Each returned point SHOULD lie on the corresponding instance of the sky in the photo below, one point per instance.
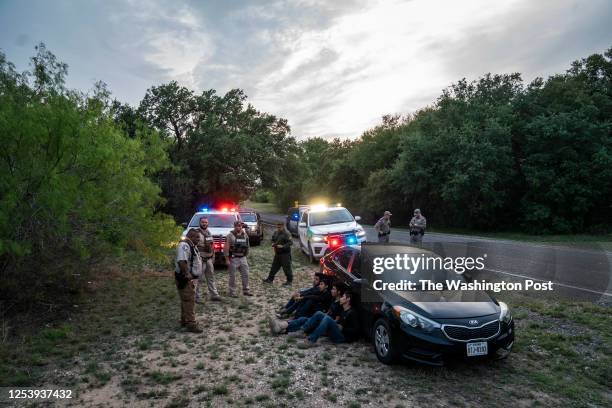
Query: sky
(333, 68)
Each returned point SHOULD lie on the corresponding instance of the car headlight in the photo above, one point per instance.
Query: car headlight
(318, 238)
(360, 233)
(183, 237)
(504, 315)
(415, 320)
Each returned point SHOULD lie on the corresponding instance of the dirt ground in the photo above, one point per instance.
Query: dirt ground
(125, 347)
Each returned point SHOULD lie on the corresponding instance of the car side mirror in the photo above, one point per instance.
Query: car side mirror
(302, 224)
(357, 218)
(184, 224)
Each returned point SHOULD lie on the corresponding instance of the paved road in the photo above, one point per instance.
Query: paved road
(577, 273)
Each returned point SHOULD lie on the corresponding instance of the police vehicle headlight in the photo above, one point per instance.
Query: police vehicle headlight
(415, 320)
(318, 238)
(183, 237)
(360, 232)
(504, 315)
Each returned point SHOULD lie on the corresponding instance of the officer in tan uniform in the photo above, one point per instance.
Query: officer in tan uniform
(236, 250)
(417, 226)
(383, 227)
(188, 268)
(208, 254)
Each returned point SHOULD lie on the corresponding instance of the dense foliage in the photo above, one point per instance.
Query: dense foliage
(73, 186)
(489, 154)
(222, 149)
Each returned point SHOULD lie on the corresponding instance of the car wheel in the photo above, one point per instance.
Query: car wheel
(311, 254)
(384, 346)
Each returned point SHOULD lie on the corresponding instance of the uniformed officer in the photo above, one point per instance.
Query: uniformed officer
(236, 250)
(417, 226)
(208, 254)
(383, 227)
(188, 268)
(281, 242)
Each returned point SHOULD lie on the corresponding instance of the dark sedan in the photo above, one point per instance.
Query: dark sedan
(423, 326)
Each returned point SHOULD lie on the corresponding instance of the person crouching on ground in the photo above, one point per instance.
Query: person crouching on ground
(321, 324)
(292, 304)
(188, 268)
(318, 301)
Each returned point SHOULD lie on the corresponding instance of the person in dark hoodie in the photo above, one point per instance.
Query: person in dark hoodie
(320, 324)
(336, 291)
(318, 301)
(292, 304)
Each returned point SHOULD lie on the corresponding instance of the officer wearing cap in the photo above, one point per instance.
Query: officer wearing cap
(236, 250)
(188, 268)
(207, 253)
(417, 226)
(281, 243)
(383, 227)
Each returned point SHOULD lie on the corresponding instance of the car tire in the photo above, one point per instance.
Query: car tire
(385, 346)
(311, 257)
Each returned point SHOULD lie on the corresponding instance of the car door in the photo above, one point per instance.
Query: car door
(302, 230)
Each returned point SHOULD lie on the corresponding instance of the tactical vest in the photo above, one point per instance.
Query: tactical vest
(239, 245)
(206, 246)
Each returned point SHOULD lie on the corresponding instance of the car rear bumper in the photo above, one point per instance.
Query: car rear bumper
(434, 349)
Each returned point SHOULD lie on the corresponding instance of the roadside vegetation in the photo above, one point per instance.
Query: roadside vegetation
(122, 345)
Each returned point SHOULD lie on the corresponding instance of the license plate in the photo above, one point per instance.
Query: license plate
(477, 349)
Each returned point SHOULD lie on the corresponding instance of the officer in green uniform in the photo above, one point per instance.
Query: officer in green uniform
(236, 250)
(281, 242)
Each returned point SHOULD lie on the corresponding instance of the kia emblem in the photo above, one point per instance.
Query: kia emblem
(473, 322)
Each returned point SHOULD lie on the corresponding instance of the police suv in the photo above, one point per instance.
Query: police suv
(220, 223)
(322, 229)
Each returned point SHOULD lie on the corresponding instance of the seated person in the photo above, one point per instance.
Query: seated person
(307, 305)
(290, 307)
(321, 324)
(337, 290)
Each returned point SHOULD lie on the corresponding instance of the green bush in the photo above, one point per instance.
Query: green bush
(73, 186)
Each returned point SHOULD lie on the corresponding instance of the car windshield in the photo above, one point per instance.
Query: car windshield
(330, 217)
(248, 217)
(215, 220)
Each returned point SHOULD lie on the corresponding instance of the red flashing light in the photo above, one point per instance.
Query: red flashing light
(224, 209)
(334, 242)
(233, 209)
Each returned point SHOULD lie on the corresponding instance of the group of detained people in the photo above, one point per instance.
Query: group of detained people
(325, 309)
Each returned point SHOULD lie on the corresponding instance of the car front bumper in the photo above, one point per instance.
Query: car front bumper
(434, 348)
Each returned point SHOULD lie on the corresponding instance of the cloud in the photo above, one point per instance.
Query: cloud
(332, 68)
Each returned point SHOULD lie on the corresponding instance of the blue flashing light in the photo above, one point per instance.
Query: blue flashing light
(204, 209)
(295, 216)
(351, 240)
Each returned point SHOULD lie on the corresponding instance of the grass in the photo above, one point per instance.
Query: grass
(126, 335)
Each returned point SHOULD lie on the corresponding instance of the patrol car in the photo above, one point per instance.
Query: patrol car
(220, 223)
(324, 228)
(254, 226)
